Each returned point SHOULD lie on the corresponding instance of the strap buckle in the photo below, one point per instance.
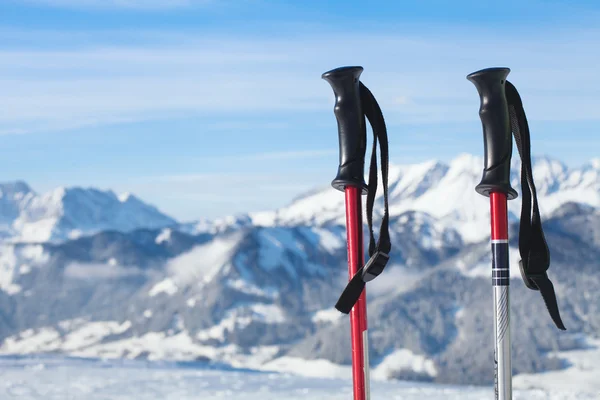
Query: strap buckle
(529, 278)
(374, 266)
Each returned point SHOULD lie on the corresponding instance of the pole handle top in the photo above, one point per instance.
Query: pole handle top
(497, 137)
(352, 131)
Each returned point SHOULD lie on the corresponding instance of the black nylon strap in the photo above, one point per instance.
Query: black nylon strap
(378, 252)
(535, 256)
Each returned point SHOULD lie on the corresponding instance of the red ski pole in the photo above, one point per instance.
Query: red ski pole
(350, 179)
(358, 314)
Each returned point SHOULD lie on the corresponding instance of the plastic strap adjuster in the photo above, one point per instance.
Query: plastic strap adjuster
(374, 266)
(529, 278)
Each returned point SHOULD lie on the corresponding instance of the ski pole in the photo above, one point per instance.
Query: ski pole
(495, 184)
(350, 179)
(502, 113)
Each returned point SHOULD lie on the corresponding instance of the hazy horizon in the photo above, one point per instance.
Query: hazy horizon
(210, 108)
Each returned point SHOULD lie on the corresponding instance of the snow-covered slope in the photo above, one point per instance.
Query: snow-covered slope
(33, 378)
(70, 212)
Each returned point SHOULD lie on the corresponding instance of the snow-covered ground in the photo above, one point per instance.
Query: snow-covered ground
(39, 373)
(583, 372)
(49, 378)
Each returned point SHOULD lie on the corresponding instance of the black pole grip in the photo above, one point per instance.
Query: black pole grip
(351, 127)
(496, 131)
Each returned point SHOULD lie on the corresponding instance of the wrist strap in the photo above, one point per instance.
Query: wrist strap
(378, 251)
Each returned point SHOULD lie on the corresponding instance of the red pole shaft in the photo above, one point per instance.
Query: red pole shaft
(358, 314)
(499, 216)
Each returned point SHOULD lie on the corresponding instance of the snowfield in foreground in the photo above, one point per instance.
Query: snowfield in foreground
(60, 378)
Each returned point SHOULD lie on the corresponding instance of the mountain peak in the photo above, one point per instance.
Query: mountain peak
(466, 159)
(59, 213)
(549, 162)
(58, 192)
(593, 164)
(466, 163)
(127, 196)
(15, 187)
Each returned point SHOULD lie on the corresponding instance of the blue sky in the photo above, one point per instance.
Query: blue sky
(207, 108)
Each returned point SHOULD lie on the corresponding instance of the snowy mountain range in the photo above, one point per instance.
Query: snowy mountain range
(67, 213)
(445, 192)
(257, 290)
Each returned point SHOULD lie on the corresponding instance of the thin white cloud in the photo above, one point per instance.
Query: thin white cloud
(269, 77)
(289, 155)
(398, 279)
(225, 178)
(219, 179)
(246, 125)
(68, 123)
(121, 4)
(242, 158)
(97, 271)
